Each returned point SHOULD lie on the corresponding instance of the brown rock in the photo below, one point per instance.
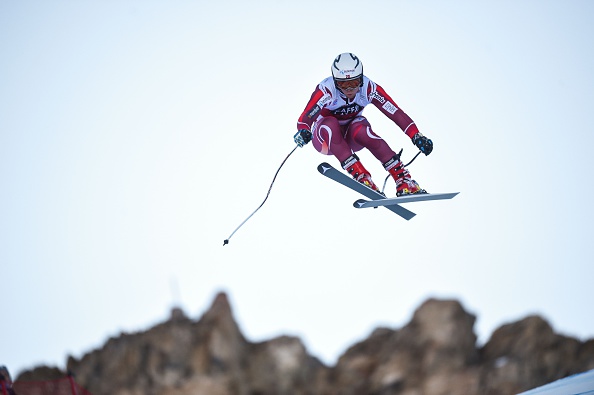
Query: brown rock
(434, 354)
(526, 354)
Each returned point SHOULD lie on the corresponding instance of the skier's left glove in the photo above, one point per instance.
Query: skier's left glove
(302, 137)
(424, 144)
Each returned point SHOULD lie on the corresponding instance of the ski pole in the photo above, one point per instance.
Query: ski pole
(226, 241)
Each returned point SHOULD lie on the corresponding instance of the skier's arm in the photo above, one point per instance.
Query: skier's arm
(389, 108)
(312, 109)
(319, 99)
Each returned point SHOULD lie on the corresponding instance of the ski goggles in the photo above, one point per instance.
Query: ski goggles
(348, 85)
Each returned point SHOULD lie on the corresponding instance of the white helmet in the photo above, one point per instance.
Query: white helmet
(346, 67)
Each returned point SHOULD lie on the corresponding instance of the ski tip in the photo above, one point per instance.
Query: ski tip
(225, 242)
(324, 167)
(359, 203)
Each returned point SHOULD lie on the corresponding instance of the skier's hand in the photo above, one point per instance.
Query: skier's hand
(302, 137)
(424, 144)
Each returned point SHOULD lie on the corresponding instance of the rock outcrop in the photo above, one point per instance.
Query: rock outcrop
(434, 354)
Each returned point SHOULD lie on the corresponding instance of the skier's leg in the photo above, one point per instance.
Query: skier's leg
(405, 185)
(355, 168)
(327, 138)
(360, 134)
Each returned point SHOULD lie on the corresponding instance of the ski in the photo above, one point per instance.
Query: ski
(338, 176)
(388, 202)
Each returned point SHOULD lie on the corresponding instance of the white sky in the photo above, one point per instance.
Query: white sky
(136, 135)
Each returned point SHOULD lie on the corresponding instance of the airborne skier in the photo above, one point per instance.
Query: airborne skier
(332, 120)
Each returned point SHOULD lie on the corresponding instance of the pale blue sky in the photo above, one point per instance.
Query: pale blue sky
(136, 135)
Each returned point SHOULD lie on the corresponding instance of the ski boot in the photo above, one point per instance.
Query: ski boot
(355, 168)
(405, 185)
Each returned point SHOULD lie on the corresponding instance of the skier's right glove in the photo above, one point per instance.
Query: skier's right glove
(424, 144)
(302, 137)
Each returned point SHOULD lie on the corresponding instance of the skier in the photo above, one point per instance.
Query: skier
(332, 120)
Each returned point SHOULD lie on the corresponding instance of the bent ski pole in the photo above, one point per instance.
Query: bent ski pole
(226, 241)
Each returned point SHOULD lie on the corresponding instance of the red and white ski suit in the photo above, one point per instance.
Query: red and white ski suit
(339, 129)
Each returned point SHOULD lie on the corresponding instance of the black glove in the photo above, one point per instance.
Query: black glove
(302, 137)
(424, 144)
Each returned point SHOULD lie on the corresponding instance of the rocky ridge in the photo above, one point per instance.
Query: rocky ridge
(434, 354)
